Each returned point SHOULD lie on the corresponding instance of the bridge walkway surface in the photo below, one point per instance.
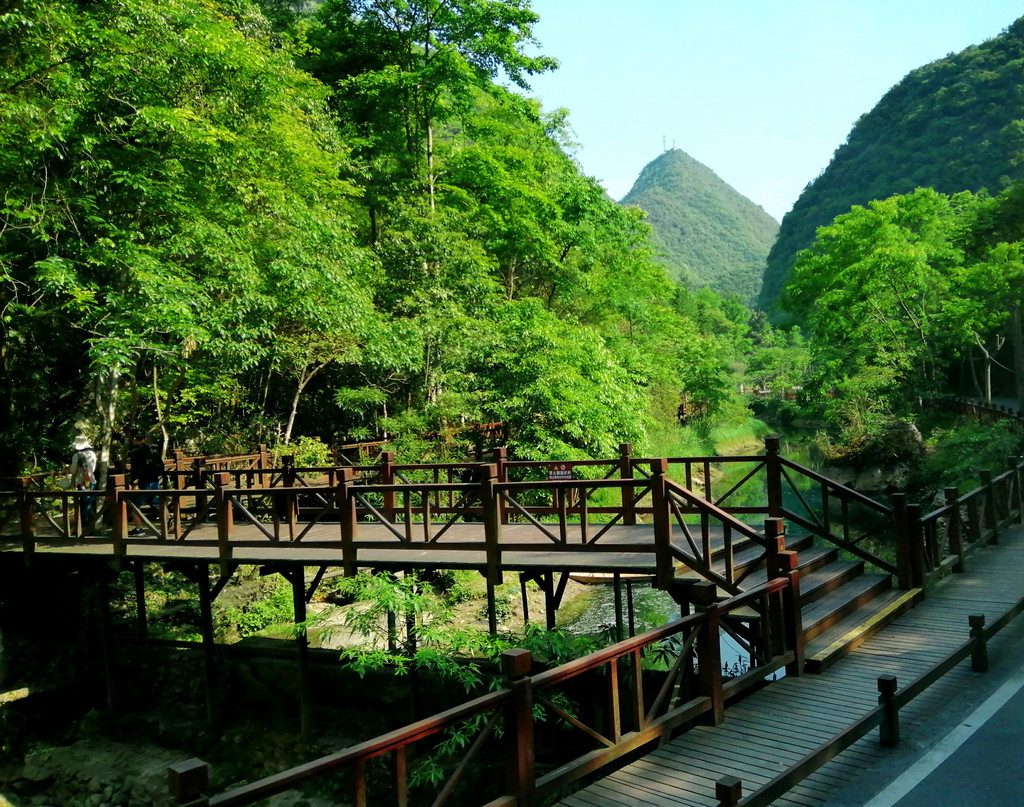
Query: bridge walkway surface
(770, 731)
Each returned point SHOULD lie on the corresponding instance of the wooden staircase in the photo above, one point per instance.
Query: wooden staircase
(842, 605)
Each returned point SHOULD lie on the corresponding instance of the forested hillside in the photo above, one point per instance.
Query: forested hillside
(705, 232)
(952, 125)
(224, 224)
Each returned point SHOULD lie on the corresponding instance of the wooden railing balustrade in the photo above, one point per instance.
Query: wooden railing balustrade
(637, 706)
(885, 716)
(941, 540)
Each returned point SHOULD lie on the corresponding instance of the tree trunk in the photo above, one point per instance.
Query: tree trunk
(106, 402)
(161, 421)
(974, 372)
(291, 415)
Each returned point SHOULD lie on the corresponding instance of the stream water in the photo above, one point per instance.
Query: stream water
(652, 607)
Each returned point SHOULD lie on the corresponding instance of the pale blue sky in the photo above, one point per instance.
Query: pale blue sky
(761, 92)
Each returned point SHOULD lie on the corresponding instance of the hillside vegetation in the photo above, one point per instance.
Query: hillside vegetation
(228, 223)
(952, 125)
(705, 232)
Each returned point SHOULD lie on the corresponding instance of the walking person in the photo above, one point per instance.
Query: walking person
(146, 466)
(83, 475)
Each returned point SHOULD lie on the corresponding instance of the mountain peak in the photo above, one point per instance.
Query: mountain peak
(705, 232)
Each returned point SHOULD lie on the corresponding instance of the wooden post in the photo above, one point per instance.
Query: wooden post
(792, 617)
(889, 728)
(199, 484)
(225, 521)
(263, 464)
(387, 477)
(991, 511)
(955, 536)
(728, 791)
(202, 580)
(775, 536)
(119, 530)
(979, 655)
(519, 768)
(298, 581)
(187, 781)
(709, 650)
(915, 533)
(617, 591)
(348, 518)
(291, 499)
(662, 523)
(626, 472)
(901, 533)
(492, 523)
(500, 460)
(773, 479)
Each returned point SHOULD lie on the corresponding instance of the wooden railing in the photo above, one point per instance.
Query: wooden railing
(941, 541)
(885, 717)
(430, 505)
(638, 705)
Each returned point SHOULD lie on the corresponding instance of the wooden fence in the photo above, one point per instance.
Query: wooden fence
(571, 507)
(637, 706)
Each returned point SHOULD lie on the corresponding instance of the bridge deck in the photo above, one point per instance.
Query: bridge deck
(322, 546)
(773, 729)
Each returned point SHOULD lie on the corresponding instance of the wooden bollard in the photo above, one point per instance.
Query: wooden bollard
(187, 780)
(889, 728)
(728, 791)
(979, 655)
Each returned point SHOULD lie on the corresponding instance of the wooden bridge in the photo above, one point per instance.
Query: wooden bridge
(797, 591)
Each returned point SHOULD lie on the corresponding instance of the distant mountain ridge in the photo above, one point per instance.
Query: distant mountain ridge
(707, 233)
(952, 125)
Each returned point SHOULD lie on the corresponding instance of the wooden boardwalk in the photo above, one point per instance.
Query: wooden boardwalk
(770, 731)
(629, 549)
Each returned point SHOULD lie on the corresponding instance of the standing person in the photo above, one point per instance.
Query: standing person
(83, 474)
(146, 467)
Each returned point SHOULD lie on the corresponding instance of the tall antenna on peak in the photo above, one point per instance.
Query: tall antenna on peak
(663, 147)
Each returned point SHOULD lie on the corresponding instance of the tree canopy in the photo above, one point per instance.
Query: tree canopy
(227, 223)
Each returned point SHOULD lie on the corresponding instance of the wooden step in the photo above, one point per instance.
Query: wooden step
(823, 613)
(831, 645)
(809, 560)
(814, 557)
(816, 584)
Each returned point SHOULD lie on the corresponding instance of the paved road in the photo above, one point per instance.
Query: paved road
(970, 754)
(981, 762)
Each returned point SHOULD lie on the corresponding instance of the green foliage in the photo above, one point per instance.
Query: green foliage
(309, 452)
(276, 609)
(705, 233)
(328, 221)
(456, 585)
(952, 125)
(956, 456)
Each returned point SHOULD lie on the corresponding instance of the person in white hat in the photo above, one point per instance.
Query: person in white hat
(83, 473)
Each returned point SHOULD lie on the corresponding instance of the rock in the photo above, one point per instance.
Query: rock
(844, 475)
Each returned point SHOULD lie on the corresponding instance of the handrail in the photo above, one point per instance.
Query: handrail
(884, 716)
(278, 783)
(517, 701)
(850, 493)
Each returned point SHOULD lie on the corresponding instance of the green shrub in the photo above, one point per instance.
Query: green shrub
(309, 452)
(956, 456)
